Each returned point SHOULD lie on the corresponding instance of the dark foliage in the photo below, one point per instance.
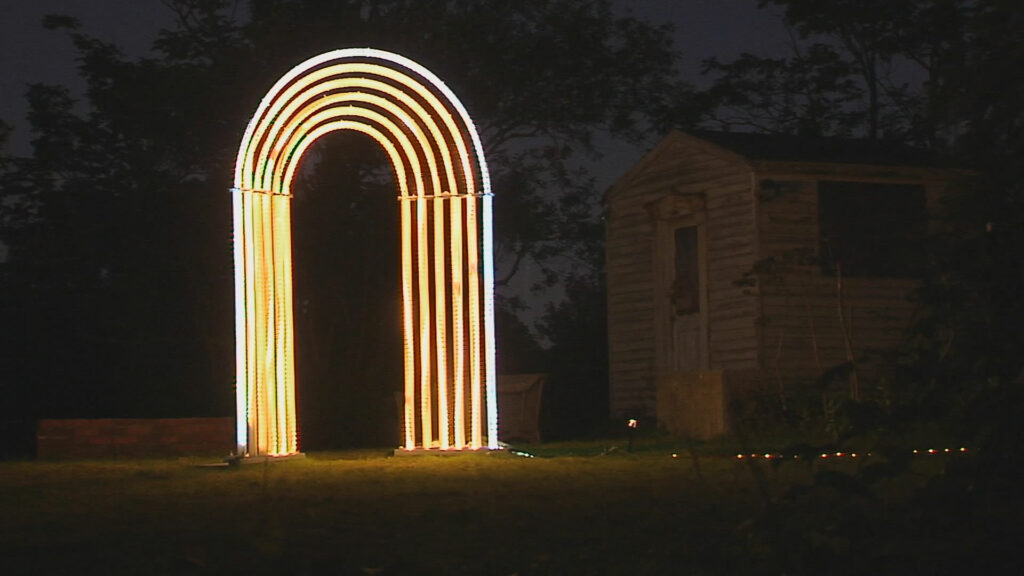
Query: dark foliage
(119, 276)
(959, 379)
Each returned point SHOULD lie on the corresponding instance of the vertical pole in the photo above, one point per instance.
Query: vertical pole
(268, 368)
(283, 325)
(258, 356)
(441, 320)
(473, 268)
(423, 281)
(408, 331)
(241, 381)
(458, 323)
(278, 247)
(251, 307)
(289, 332)
(489, 345)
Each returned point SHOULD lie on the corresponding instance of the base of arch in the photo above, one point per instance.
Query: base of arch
(235, 460)
(404, 452)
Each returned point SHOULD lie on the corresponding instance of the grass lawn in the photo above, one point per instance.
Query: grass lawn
(573, 509)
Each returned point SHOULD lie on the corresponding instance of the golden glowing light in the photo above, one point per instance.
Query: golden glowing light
(826, 455)
(446, 258)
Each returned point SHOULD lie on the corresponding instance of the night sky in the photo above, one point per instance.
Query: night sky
(29, 53)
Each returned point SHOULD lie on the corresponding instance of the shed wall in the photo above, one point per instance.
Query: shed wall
(812, 321)
(682, 168)
(774, 320)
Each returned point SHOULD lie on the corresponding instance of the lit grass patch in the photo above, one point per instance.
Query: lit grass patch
(575, 508)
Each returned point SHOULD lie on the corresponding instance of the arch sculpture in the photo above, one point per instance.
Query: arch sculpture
(447, 266)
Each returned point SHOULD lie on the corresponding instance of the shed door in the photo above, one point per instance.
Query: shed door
(687, 350)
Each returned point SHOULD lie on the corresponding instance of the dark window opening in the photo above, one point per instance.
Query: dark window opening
(869, 229)
(686, 278)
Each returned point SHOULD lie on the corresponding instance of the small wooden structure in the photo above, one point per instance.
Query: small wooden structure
(114, 438)
(519, 398)
(741, 263)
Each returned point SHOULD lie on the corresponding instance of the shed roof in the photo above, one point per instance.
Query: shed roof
(787, 148)
(749, 149)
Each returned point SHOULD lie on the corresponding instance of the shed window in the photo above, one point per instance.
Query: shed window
(869, 229)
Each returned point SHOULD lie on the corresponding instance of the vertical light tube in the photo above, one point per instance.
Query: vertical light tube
(458, 324)
(269, 344)
(408, 331)
(441, 320)
(423, 283)
(238, 254)
(291, 428)
(259, 355)
(489, 350)
(473, 287)
(277, 321)
(280, 237)
(252, 417)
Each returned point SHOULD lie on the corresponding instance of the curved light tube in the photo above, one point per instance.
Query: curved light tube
(446, 260)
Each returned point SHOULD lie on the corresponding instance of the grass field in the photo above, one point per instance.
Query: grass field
(589, 508)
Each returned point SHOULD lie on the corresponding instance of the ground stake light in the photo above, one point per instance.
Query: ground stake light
(447, 265)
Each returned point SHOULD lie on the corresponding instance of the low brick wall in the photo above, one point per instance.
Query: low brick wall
(113, 438)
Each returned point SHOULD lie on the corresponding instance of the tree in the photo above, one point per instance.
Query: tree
(858, 68)
(962, 373)
(962, 102)
(576, 391)
(813, 93)
(536, 112)
(978, 267)
(131, 249)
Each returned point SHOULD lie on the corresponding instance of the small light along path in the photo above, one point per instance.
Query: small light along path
(835, 455)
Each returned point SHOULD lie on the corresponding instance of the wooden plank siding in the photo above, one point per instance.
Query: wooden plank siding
(802, 334)
(679, 167)
(772, 316)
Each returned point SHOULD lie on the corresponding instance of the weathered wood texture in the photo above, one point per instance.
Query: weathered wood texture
(681, 167)
(804, 312)
(519, 399)
(772, 316)
(113, 438)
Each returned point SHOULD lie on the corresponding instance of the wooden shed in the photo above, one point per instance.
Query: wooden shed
(744, 264)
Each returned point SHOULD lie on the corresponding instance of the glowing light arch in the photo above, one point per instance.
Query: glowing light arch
(447, 247)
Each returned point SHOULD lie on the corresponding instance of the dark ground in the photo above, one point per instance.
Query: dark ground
(587, 508)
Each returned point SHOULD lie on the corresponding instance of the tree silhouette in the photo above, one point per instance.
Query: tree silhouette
(125, 271)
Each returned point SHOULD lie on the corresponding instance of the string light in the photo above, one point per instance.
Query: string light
(827, 455)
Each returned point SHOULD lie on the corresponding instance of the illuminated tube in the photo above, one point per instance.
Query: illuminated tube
(446, 259)
(426, 398)
(490, 380)
(457, 389)
(249, 387)
(473, 286)
(440, 323)
(241, 432)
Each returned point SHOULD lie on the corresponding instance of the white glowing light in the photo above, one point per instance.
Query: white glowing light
(446, 258)
(241, 424)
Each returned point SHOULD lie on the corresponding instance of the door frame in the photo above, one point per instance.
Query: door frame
(669, 213)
